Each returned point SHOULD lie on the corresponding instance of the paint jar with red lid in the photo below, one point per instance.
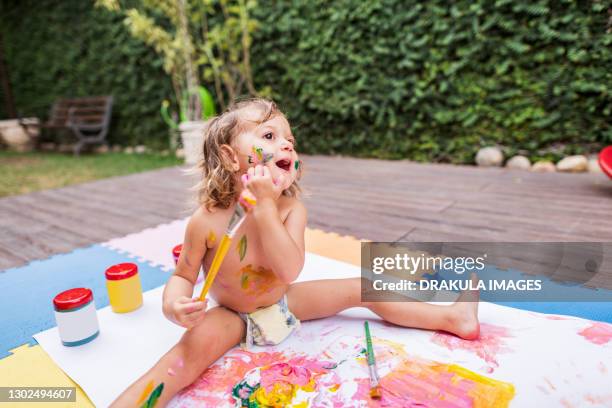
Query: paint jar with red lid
(75, 314)
(124, 288)
(176, 252)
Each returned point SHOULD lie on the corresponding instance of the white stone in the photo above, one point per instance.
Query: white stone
(489, 156)
(17, 137)
(518, 162)
(593, 165)
(180, 153)
(116, 148)
(128, 150)
(543, 166)
(140, 149)
(573, 164)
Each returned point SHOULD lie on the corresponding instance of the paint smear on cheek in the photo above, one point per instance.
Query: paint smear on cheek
(487, 346)
(597, 333)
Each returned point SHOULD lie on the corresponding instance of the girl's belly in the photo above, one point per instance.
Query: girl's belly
(248, 289)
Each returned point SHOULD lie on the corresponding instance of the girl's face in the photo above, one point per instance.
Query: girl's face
(271, 144)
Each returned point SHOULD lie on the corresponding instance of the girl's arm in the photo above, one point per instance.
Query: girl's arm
(178, 305)
(283, 244)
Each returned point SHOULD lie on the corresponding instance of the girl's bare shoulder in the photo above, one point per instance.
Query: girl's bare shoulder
(203, 219)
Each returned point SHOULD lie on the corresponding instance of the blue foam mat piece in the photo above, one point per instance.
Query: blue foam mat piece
(26, 303)
(601, 311)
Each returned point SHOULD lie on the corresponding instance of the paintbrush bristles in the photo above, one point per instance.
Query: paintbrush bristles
(376, 392)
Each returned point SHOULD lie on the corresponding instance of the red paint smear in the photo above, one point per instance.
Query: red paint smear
(597, 333)
(490, 342)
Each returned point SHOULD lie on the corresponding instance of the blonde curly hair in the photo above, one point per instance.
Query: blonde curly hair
(217, 186)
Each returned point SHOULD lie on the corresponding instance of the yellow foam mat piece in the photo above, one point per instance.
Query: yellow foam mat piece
(331, 245)
(30, 366)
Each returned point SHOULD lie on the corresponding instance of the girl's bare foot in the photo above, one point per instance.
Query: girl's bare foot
(465, 313)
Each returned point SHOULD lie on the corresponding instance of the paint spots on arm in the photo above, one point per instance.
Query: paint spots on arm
(211, 239)
(153, 396)
(242, 247)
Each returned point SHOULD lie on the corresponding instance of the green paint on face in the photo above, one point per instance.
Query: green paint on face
(297, 164)
(242, 247)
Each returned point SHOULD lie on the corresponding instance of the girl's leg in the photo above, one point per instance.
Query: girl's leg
(199, 347)
(335, 295)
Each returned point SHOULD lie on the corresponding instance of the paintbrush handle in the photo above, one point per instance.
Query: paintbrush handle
(369, 348)
(216, 264)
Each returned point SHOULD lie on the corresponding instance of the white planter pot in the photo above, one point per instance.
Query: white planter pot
(192, 136)
(16, 136)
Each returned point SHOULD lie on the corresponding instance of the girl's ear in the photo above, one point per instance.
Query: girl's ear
(230, 157)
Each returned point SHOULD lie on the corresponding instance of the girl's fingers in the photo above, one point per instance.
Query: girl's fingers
(250, 172)
(266, 171)
(194, 307)
(245, 179)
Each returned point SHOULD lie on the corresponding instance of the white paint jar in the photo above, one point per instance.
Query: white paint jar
(75, 314)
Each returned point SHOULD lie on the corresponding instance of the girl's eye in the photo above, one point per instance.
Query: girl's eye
(268, 136)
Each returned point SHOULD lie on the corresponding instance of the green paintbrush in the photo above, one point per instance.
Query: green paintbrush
(375, 390)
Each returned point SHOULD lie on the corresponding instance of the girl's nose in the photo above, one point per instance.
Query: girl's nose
(286, 145)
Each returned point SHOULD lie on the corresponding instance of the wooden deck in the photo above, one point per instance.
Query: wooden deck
(371, 199)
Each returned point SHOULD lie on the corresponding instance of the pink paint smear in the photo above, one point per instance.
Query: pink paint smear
(597, 333)
(412, 382)
(490, 342)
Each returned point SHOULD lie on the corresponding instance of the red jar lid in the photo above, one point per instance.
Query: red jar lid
(121, 271)
(72, 298)
(177, 250)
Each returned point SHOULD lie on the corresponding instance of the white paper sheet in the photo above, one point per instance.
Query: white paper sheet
(546, 359)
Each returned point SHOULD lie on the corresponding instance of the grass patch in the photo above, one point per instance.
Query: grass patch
(26, 172)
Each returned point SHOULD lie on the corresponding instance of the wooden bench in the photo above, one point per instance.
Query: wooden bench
(88, 118)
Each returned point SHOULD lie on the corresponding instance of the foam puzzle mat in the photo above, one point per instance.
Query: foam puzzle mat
(523, 358)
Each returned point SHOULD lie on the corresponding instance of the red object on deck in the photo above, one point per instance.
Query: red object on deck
(605, 160)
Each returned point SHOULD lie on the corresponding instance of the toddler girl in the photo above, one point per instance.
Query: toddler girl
(251, 146)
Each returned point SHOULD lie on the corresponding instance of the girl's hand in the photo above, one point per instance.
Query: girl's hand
(259, 182)
(188, 312)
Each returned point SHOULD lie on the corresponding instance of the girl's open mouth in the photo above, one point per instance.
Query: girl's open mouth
(284, 164)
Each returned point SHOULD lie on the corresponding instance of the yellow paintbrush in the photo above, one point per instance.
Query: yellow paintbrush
(246, 202)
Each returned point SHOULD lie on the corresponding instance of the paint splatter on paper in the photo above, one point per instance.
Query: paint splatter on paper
(597, 333)
(340, 379)
(242, 247)
(487, 346)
